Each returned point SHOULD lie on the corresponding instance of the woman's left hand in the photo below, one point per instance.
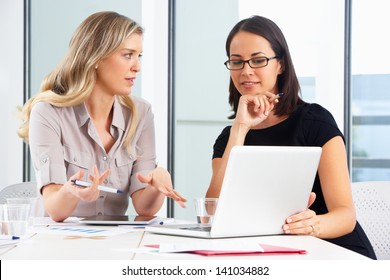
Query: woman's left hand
(303, 223)
(160, 179)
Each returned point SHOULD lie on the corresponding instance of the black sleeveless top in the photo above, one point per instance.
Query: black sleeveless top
(308, 125)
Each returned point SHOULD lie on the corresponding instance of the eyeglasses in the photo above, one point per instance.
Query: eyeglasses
(256, 62)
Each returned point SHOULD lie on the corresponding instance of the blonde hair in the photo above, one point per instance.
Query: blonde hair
(72, 81)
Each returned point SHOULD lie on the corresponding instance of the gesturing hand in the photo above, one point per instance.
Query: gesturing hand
(92, 192)
(160, 179)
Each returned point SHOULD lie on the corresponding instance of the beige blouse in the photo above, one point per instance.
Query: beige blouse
(64, 140)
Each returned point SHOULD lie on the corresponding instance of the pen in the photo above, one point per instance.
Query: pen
(280, 94)
(102, 188)
(168, 221)
(9, 237)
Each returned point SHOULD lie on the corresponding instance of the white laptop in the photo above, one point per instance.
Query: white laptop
(263, 185)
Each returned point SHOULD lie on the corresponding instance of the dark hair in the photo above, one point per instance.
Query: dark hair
(287, 81)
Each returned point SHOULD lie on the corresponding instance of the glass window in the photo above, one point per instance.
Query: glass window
(370, 91)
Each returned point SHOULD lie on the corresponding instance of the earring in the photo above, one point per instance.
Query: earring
(96, 67)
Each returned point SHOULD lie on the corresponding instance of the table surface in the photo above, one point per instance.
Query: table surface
(41, 245)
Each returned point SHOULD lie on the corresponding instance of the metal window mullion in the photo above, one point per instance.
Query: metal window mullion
(171, 99)
(347, 81)
(26, 83)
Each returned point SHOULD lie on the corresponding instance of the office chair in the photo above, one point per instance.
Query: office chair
(372, 203)
(25, 189)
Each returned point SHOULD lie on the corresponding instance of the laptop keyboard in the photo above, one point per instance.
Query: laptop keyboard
(197, 228)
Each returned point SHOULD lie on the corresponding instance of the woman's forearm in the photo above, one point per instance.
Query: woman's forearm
(59, 203)
(148, 201)
(336, 223)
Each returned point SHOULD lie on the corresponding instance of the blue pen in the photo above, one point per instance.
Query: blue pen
(168, 221)
(280, 94)
(102, 188)
(9, 237)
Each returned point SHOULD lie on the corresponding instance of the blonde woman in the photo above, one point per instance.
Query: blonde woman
(84, 125)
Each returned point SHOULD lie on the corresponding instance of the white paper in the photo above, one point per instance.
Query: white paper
(82, 231)
(143, 250)
(47, 221)
(7, 243)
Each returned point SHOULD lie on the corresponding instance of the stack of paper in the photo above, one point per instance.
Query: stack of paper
(225, 248)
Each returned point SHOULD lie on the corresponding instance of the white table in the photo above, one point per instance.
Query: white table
(317, 249)
(43, 255)
(43, 246)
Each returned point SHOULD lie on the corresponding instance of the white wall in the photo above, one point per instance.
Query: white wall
(155, 69)
(11, 90)
(155, 73)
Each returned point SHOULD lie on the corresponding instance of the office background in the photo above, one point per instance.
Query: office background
(339, 49)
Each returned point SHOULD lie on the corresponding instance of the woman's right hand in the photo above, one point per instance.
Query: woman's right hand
(90, 193)
(253, 109)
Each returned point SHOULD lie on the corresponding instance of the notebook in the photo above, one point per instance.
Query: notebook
(262, 186)
(118, 220)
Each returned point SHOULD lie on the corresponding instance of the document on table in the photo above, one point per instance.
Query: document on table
(208, 245)
(47, 221)
(212, 245)
(7, 243)
(83, 231)
(232, 248)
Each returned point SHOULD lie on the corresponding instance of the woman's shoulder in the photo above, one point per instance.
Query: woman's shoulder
(141, 103)
(143, 106)
(43, 108)
(316, 112)
(318, 124)
(49, 110)
(221, 142)
(223, 136)
(225, 132)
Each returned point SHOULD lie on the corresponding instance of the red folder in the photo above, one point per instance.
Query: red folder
(268, 249)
